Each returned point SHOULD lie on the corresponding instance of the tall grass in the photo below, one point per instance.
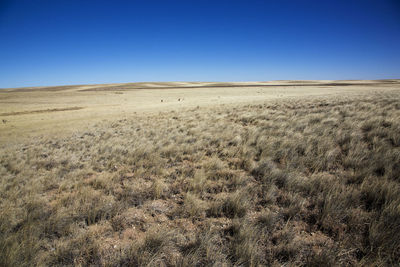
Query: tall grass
(291, 182)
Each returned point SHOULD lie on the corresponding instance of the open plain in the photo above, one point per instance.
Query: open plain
(193, 174)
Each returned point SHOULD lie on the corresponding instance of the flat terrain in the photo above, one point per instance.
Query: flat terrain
(30, 112)
(284, 173)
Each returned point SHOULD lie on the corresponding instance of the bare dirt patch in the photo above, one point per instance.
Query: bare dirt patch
(39, 111)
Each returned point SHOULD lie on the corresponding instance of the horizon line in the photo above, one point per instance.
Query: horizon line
(138, 82)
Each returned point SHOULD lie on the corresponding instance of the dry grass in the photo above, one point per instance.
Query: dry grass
(291, 182)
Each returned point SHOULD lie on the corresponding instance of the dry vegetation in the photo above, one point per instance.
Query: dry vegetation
(300, 182)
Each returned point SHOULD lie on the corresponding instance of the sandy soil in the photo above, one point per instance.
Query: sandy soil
(40, 111)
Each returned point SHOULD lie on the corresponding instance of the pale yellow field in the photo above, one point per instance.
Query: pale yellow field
(285, 173)
(32, 112)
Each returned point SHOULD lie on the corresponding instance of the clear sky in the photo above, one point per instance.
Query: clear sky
(59, 42)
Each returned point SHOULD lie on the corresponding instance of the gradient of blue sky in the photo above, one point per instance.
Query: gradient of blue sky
(79, 42)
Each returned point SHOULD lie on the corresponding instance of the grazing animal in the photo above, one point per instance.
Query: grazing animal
(162, 100)
(4, 121)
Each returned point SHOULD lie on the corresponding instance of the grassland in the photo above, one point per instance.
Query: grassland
(272, 174)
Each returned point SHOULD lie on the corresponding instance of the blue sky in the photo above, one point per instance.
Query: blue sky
(80, 42)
